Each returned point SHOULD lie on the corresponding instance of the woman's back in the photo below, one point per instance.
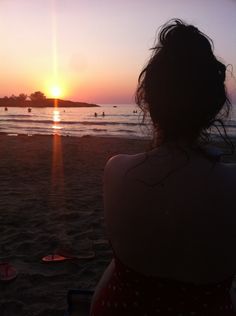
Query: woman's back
(172, 214)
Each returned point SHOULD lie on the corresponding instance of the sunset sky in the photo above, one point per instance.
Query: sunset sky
(94, 49)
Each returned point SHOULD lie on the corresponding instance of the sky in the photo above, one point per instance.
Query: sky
(94, 50)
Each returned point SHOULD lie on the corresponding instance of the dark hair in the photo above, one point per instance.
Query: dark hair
(182, 85)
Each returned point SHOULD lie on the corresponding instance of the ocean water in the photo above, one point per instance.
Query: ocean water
(120, 120)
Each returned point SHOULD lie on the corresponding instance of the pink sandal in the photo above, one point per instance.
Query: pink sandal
(55, 258)
(60, 256)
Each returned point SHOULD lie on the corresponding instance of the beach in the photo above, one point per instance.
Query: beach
(51, 196)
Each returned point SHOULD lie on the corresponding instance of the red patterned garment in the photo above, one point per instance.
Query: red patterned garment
(131, 293)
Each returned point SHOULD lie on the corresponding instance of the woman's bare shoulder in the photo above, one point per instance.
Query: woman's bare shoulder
(115, 184)
(120, 163)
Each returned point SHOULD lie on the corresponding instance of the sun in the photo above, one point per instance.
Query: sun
(55, 87)
(55, 92)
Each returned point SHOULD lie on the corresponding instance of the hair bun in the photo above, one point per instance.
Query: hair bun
(182, 85)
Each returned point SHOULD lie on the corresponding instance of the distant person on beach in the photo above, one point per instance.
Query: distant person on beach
(170, 212)
(103, 114)
(95, 114)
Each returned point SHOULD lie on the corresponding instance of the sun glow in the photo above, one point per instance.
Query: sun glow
(55, 92)
(55, 88)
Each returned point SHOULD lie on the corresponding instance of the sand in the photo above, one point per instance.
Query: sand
(51, 196)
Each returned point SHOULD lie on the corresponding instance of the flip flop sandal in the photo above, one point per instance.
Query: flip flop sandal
(59, 257)
(7, 272)
(56, 258)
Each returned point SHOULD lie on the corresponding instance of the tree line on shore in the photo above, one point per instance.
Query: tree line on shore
(35, 96)
(38, 99)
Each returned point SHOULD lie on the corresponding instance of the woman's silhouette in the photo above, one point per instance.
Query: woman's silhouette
(170, 212)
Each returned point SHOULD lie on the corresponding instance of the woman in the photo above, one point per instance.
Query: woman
(170, 212)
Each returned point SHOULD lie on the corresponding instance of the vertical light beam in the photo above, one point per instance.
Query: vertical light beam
(57, 178)
(54, 42)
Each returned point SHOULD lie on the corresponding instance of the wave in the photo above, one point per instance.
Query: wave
(20, 119)
(99, 130)
(125, 131)
(71, 122)
(18, 115)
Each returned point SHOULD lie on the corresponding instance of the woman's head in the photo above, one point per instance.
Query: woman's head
(182, 86)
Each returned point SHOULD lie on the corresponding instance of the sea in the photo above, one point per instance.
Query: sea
(110, 120)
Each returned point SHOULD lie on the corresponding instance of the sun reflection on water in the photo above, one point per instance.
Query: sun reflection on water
(56, 116)
(56, 119)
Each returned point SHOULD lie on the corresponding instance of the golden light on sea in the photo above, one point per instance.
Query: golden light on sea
(56, 119)
(56, 116)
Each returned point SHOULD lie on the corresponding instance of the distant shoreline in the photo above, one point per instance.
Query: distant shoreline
(44, 103)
